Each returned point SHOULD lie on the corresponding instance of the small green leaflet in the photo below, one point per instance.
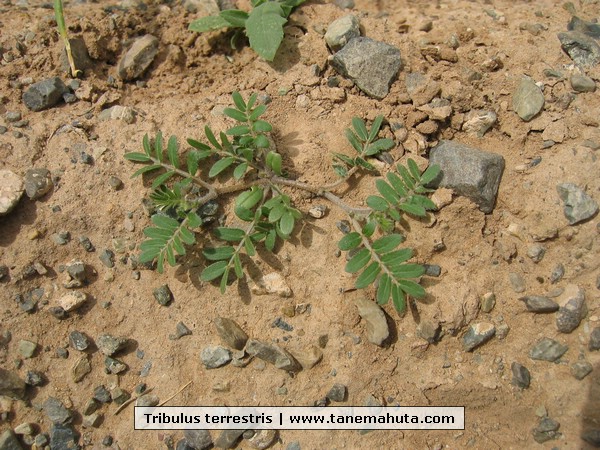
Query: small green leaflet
(209, 23)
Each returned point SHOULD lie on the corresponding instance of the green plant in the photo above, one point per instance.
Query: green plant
(244, 155)
(263, 25)
(62, 30)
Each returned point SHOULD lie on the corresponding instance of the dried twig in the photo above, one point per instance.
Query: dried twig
(175, 394)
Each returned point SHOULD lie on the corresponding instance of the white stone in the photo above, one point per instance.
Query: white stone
(11, 190)
(72, 300)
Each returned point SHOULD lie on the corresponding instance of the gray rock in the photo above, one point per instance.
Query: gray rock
(231, 333)
(429, 330)
(521, 376)
(273, 355)
(372, 65)
(547, 350)
(198, 439)
(27, 349)
(536, 252)
(581, 83)
(343, 4)
(295, 445)
(3, 271)
(488, 301)
(589, 28)
(572, 309)
(114, 366)
(263, 439)
(579, 206)
(41, 440)
(377, 327)
(528, 99)
(582, 49)
(11, 385)
(477, 335)
(12, 116)
(107, 257)
(80, 54)
(63, 437)
(102, 394)
(9, 441)
(546, 430)
(420, 88)
(228, 438)
(119, 396)
(90, 407)
(33, 378)
(539, 304)
(76, 270)
(594, 343)
(147, 400)
(280, 323)
(581, 369)
(81, 368)
(92, 421)
(337, 393)
(138, 58)
(56, 411)
(308, 358)
(118, 112)
(204, 7)
(78, 341)
(592, 437)
(44, 94)
(11, 191)
(37, 183)
(163, 295)
(432, 270)
(341, 31)
(215, 356)
(557, 273)
(109, 345)
(470, 172)
(180, 330)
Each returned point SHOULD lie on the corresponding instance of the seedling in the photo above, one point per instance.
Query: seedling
(263, 25)
(62, 30)
(256, 174)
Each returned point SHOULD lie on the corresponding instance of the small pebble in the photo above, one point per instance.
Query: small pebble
(108, 258)
(86, 244)
(581, 369)
(163, 295)
(517, 282)
(557, 273)
(115, 183)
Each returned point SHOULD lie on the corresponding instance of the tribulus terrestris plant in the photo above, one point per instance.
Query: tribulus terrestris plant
(263, 25)
(184, 189)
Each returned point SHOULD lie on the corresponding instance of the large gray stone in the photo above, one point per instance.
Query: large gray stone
(215, 356)
(582, 49)
(44, 94)
(198, 439)
(11, 385)
(273, 354)
(468, 171)
(377, 327)
(11, 191)
(477, 335)
(579, 206)
(138, 58)
(547, 350)
(372, 65)
(341, 31)
(528, 99)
